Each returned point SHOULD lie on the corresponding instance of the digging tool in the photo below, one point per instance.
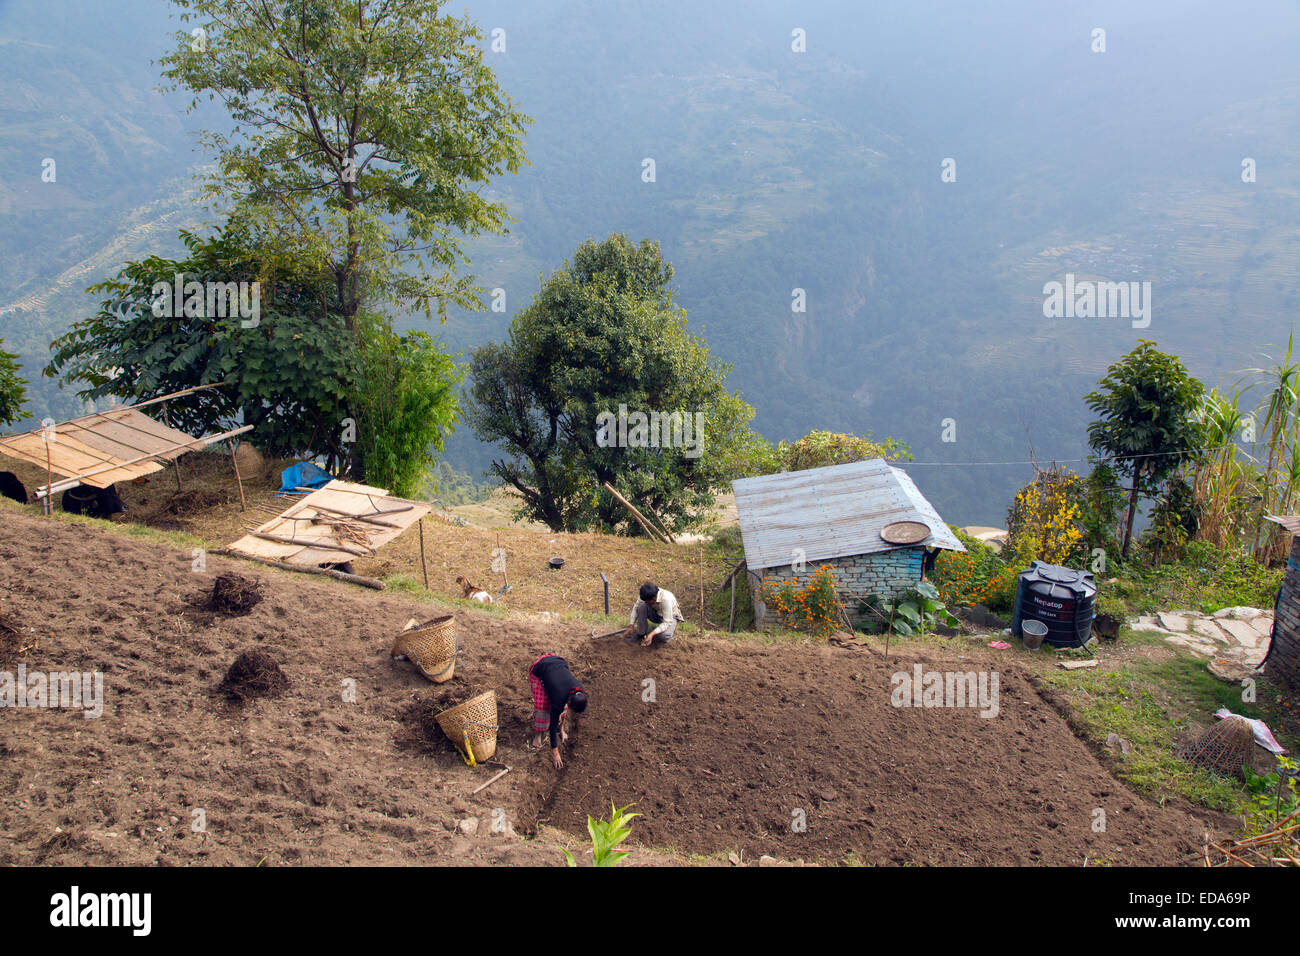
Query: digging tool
(620, 631)
(494, 778)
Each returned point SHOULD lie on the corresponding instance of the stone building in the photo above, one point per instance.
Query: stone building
(866, 520)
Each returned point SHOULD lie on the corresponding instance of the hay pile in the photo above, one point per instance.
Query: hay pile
(253, 674)
(193, 501)
(235, 595)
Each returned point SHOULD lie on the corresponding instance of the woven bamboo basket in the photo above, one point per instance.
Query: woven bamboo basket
(477, 717)
(431, 647)
(1223, 748)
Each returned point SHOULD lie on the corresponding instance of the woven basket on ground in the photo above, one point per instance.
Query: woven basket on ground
(1223, 748)
(431, 647)
(477, 717)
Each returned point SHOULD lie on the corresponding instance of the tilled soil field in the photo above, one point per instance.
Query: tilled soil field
(798, 752)
(731, 746)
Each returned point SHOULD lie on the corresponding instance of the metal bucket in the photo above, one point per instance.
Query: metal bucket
(1032, 634)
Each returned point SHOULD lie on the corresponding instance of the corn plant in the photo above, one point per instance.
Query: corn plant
(606, 835)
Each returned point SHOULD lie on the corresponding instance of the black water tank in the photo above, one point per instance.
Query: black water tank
(1062, 598)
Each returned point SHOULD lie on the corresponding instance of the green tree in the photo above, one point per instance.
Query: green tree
(406, 406)
(292, 375)
(603, 338)
(820, 448)
(1148, 422)
(364, 133)
(12, 392)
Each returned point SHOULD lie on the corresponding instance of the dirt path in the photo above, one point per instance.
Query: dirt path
(739, 736)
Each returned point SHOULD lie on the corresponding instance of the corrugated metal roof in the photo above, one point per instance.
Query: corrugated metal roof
(831, 512)
(1290, 522)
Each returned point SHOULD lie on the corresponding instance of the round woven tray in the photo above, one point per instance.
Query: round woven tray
(905, 532)
(431, 647)
(478, 716)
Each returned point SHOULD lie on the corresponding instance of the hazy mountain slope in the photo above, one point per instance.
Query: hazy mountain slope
(777, 170)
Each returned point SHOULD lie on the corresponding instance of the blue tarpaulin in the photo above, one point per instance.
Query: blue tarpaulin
(303, 475)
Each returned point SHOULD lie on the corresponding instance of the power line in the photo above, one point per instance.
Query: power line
(1063, 461)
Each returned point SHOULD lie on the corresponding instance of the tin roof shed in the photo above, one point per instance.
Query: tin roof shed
(831, 512)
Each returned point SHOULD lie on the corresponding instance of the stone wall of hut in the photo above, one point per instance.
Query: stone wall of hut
(1283, 665)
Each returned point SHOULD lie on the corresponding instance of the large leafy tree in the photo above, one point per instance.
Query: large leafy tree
(364, 134)
(603, 335)
(291, 376)
(1148, 423)
(12, 392)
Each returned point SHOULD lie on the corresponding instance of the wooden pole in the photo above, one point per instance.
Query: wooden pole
(640, 518)
(660, 527)
(423, 564)
(281, 539)
(176, 462)
(731, 620)
(505, 575)
(371, 583)
(701, 586)
(49, 479)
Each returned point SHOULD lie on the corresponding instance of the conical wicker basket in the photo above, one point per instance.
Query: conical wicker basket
(431, 647)
(477, 718)
(1223, 748)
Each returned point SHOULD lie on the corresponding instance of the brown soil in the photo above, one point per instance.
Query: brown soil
(254, 674)
(741, 735)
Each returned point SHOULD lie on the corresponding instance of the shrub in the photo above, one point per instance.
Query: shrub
(406, 405)
(966, 579)
(812, 606)
(1043, 523)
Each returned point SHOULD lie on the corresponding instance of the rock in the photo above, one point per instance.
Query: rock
(1234, 672)
(1205, 627)
(1263, 625)
(1238, 613)
(1240, 631)
(1146, 622)
(768, 861)
(1172, 622)
(468, 826)
(733, 858)
(1197, 645)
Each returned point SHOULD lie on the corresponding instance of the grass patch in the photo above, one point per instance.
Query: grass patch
(1154, 705)
(1205, 579)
